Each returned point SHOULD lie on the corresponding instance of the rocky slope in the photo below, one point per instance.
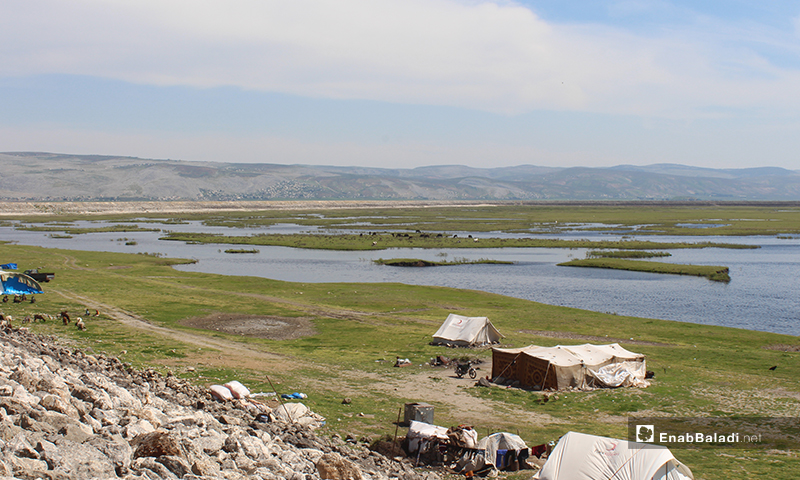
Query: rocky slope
(37, 176)
(68, 415)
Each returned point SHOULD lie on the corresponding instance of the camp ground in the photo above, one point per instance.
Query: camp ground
(461, 331)
(569, 367)
(575, 456)
(579, 456)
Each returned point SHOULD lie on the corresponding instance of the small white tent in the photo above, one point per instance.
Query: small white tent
(501, 441)
(463, 331)
(579, 456)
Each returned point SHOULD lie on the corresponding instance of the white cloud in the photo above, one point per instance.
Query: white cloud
(486, 55)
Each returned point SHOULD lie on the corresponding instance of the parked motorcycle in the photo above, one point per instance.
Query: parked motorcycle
(465, 369)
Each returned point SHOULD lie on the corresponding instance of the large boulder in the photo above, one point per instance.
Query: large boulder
(333, 466)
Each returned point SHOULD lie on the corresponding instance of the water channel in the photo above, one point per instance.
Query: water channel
(763, 294)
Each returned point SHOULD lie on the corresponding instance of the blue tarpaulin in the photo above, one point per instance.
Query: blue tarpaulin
(14, 283)
(9, 266)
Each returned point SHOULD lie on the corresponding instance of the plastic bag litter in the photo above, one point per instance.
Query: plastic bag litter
(294, 396)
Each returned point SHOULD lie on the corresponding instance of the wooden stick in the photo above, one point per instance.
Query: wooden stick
(279, 399)
(396, 426)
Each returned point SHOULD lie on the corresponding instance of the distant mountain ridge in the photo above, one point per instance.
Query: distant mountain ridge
(37, 176)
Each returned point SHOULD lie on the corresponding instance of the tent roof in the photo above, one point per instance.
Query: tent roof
(572, 355)
(14, 283)
(579, 456)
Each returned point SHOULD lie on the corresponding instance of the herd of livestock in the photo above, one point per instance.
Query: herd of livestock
(64, 316)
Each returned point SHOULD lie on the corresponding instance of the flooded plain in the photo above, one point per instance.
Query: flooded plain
(763, 294)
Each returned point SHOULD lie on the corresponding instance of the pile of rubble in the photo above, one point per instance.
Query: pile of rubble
(68, 415)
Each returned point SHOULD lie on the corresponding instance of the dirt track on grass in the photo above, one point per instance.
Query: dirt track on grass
(435, 385)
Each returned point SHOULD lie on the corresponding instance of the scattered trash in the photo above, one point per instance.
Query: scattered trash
(402, 362)
(294, 396)
(440, 360)
(263, 394)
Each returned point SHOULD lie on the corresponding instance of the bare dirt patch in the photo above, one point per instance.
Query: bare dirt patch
(592, 338)
(781, 347)
(257, 326)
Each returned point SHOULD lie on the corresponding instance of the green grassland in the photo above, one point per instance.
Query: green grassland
(416, 262)
(625, 254)
(696, 219)
(711, 272)
(387, 241)
(359, 329)
(701, 370)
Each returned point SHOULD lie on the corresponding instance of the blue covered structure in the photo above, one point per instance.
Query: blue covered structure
(14, 283)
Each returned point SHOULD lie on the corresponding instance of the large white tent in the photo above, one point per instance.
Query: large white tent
(576, 366)
(461, 331)
(579, 456)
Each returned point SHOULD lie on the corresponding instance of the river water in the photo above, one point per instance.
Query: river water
(763, 294)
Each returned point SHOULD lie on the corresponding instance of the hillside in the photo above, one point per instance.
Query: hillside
(35, 176)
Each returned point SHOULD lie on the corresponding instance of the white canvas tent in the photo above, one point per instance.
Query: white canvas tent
(501, 441)
(575, 366)
(579, 456)
(461, 331)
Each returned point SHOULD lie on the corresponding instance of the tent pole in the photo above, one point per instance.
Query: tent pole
(546, 373)
(509, 365)
(396, 426)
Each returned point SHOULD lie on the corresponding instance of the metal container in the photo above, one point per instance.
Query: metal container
(419, 412)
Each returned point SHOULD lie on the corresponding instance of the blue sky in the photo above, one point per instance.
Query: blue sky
(405, 83)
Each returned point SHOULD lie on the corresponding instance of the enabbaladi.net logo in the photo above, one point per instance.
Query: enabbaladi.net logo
(645, 433)
(716, 432)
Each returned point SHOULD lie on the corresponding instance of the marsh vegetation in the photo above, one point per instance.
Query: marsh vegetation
(352, 332)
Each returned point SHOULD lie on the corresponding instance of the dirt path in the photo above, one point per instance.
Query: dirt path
(228, 350)
(441, 387)
(438, 386)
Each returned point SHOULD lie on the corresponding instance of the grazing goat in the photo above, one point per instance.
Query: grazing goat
(79, 323)
(40, 316)
(64, 316)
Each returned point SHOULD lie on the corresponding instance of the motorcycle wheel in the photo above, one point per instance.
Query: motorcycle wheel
(472, 373)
